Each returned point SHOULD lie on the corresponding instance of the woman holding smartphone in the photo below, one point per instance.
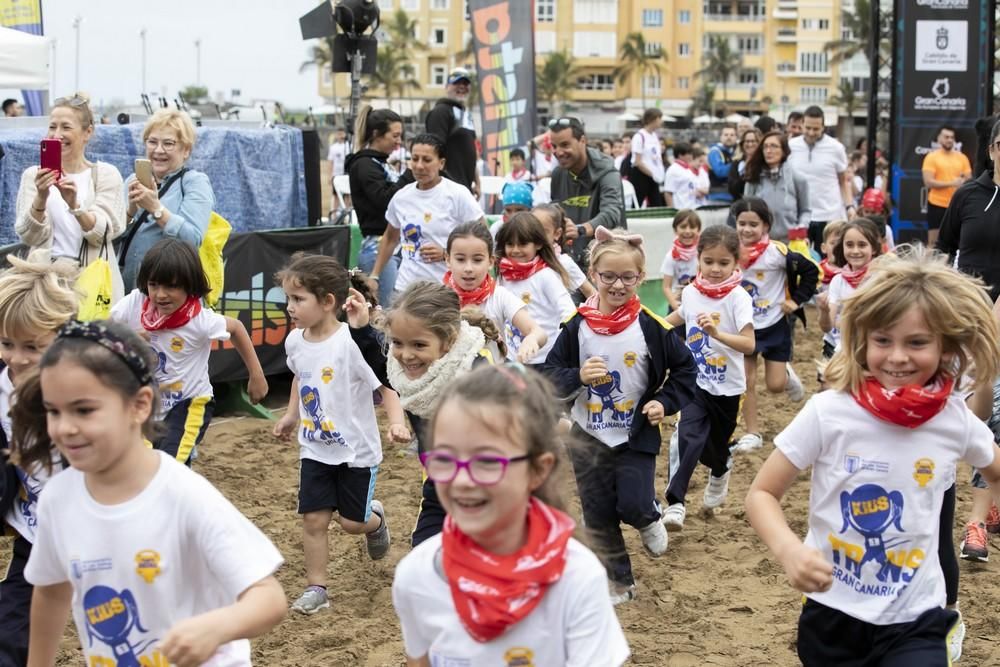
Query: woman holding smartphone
(177, 203)
(75, 210)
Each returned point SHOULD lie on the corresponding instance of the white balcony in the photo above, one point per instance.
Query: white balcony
(785, 14)
(746, 18)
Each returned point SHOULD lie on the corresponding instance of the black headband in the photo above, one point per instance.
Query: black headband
(98, 332)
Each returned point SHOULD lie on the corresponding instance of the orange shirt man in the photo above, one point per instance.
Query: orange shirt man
(943, 170)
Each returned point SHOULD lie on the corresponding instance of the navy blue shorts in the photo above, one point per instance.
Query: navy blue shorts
(341, 488)
(774, 342)
(430, 519)
(15, 608)
(184, 426)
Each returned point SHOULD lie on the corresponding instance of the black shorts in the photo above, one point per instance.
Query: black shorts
(341, 488)
(774, 342)
(828, 349)
(935, 214)
(184, 426)
(15, 607)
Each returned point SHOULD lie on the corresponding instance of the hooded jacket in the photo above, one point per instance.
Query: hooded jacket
(594, 196)
(373, 183)
(450, 122)
(971, 228)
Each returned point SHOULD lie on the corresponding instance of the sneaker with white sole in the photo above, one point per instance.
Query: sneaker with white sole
(716, 490)
(311, 601)
(673, 518)
(793, 386)
(378, 540)
(748, 443)
(955, 638)
(620, 593)
(654, 538)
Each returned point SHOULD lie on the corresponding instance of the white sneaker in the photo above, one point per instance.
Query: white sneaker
(716, 490)
(675, 454)
(311, 601)
(654, 538)
(793, 386)
(955, 638)
(673, 518)
(748, 443)
(620, 593)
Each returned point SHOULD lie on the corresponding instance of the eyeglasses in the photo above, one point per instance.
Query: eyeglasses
(483, 469)
(167, 144)
(610, 278)
(564, 122)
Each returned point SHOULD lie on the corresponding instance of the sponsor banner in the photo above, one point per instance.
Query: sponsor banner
(26, 16)
(505, 63)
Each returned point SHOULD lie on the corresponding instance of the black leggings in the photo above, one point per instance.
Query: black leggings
(946, 547)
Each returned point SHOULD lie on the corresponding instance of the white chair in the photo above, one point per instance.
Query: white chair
(490, 186)
(342, 186)
(628, 190)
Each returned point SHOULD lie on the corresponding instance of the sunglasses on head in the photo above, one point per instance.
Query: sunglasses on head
(74, 101)
(563, 123)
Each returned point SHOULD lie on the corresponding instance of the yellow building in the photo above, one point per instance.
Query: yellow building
(784, 65)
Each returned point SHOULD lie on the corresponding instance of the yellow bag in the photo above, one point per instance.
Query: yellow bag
(210, 252)
(94, 284)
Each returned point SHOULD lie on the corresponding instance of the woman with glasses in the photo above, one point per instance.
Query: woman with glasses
(75, 212)
(180, 204)
(749, 143)
(786, 193)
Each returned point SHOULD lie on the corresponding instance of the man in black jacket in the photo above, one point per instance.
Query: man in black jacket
(451, 122)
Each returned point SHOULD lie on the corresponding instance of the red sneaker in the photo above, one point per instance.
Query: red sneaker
(993, 520)
(975, 546)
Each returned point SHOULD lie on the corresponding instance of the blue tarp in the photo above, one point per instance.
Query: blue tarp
(257, 174)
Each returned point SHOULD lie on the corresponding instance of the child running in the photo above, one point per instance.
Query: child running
(635, 371)
(553, 219)
(470, 257)
(166, 309)
(858, 245)
(680, 265)
(155, 564)
(36, 299)
(432, 341)
(530, 269)
(718, 318)
(505, 582)
(883, 445)
(779, 281)
(331, 409)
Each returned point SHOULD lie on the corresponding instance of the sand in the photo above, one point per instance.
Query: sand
(715, 598)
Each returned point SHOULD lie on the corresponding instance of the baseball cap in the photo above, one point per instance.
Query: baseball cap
(459, 74)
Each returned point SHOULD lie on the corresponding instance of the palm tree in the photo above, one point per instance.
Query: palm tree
(320, 55)
(720, 63)
(557, 78)
(403, 32)
(848, 98)
(636, 58)
(393, 72)
(858, 23)
(703, 100)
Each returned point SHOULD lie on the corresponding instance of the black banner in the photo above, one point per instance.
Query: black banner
(252, 296)
(942, 74)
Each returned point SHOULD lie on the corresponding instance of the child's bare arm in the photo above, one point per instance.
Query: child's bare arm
(50, 606)
(257, 385)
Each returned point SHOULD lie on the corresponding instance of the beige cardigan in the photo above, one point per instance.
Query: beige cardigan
(108, 209)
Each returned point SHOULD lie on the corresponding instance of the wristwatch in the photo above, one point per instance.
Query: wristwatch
(158, 213)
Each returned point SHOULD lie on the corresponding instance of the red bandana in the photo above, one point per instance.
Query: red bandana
(751, 253)
(908, 406)
(616, 322)
(829, 271)
(153, 321)
(854, 278)
(474, 297)
(686, 166)
(491, 592)
(684, 253)
(515, 271)
(718, 290)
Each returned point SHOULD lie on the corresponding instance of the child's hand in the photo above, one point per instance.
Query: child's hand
(789, 306)
(399, 434)
(528, 350)
(191, 642)
(143, 334)
(707, 323)
(257, 388)
(593, 368)
(431, 252)
(807, 570)
(823, 301)
(356, 308)
(286, 426)
(654, 412)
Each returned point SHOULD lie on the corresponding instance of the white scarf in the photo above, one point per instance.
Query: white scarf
(420, 396)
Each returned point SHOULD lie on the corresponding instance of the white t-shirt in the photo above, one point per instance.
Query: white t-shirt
(549, 304)
(428, 216)
(683, 272)
(765, 282)
(576, 275)
(182, 371)
(647, 144)
(544, 165)
(67, 236)
(337, 154)
(176, 550)
(875, 500)
(839, 290)
(821, 165)
(720, 367)
(681, 182)
(502, 306)
(608, 407)
(335, 400)
(703, 182)
(573, 625)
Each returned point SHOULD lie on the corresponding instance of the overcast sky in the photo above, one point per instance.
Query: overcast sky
(251, 45)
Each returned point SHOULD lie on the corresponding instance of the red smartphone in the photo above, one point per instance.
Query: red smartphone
(52, 155)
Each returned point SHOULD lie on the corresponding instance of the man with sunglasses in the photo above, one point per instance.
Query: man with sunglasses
(451, 122)
(586, 184)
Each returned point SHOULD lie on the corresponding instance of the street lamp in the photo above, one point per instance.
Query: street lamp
(76, 26)
(197, 56)
(142, 40)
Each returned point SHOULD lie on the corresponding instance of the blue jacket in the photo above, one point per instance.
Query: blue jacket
(720, 161)
(672, 373)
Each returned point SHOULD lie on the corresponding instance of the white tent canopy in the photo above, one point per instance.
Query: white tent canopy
(24, 60)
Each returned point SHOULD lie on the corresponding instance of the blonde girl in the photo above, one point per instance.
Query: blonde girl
(505, 576)
(883, 444)
(553, 219)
